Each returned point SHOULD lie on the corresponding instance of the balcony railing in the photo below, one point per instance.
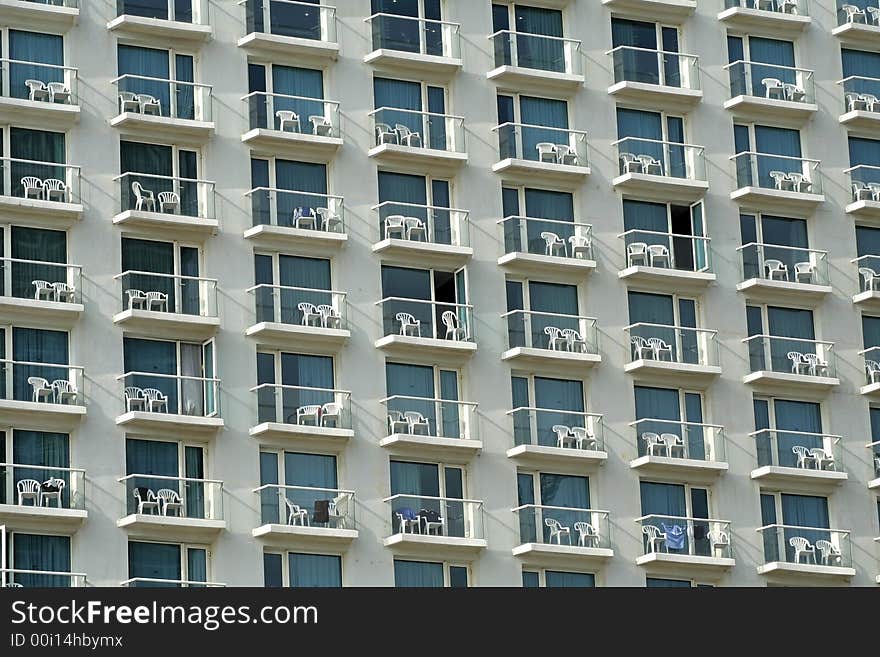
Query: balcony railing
(418, 130)
(306, 506)
(788, 264)
(42, 486)
(47, 383)
(562, 525)
(436, 516)
(537, 51)
(791, 355)
(869, 272)
(864, 181)
(777, 172)
(872, 365)
(301, 20)
(673, 344)
(660, 67)
(40, 280)
(50, 83)
(181, 497)
(163, 394)
(542, 144)
(423, 223)
(430, 417)
(806, 545)
(771, 81)
(15, 577)
(415, 35)
(552, 331)
(171, 293)
(875, 457)
(155, 582)
(679, 439)
(301, 306)
(167, 195)
(695, 537)
(295, 114)
(798, 449)
(40, 181)
(866, 12)
(304, 406)
(72, 4)
(651, 248)
(548, 237)
(794, 7)
(158, 97)
(171, 10)
(652, 157)
(288, 208)
(419, 318)
(546, 427)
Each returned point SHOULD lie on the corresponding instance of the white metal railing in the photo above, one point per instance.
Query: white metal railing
(160, 97)
(552, 331)
(27, 279)
(806, 545)
(548, 427)
(430, 417)
(318, 408)
(166, 195)
(789, 264)
(422, 318)
(542, 144)
(698, 537)
(864, 182)
(48, 383)
(798, 449)
(288, 208)
(418, 130)
(173, 10)
(771, 81)
(562, 525)
(422, 223)
(302, 20)
(177, 394)
(672, 344)
(680, 439)
(19, 577)
(537, 51)
(416, 35)
(188, 295)
(17, 79)
(72, 4)
(549, 237)
(435, 516)
(181, 497)
(40, 181)
(791, 355)
(653, 157)
(778, 172)
(46, 486)
(792, 7)
(155, 582)
(651, 248)
(297, 114)
(660, 67)
(307, 506)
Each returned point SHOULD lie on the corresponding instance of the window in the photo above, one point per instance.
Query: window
(167, 564)
(860, 78)
(288, 193)
(50, 453)
(660, 583)
(552, 579)
(37, 552)
(429, 498)
(34, 254)
(168, 267)
(785, 331)
(275, 88)
(160, 168)
(526, 121)
(34, 56)
(418, 107)
(290, 386)
(410, 26)
(288, 19)
(679, 229)
(530, 37)
(529, 212)
(669, 318)
(430, 391)
(284, 282)
(637, 47)
(769, 239)
(31, 345)
(175, 10)
(864, 160)
(39, 154)
(764, 150)
(874, 414)
(300, 488)
(534, 306)
(541, 403)
(549, 504)
(655, 135)
(150, 463)
(428, 574)
(165, 75)
(662, 411)
(783, 424)
(298, 570)
(427, 295)
(757, 63)
(425, 198)
(785, 516)
(681, 512)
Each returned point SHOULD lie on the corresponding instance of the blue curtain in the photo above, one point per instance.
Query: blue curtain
(418, 574)
(653, 309)
(789, 323)
(530, 579)
(147, 62)
(40, 552)
(273, 577)
(552, 298)
(522, 432)
(662, 583)
(270, 498)
(541, 204)
(663, 499)
(37, 48)
(796, 416)
(397, 33)
(639, 125)
(184, 94)
(311, 471)
(861, 63)
(415, 381)
(871, 331)
(658, 404)
(693, 408)
(867, 241)
(558, 579)
(401, 95)
(291, 20)
(865, 152)
(777, 141)
(643, 215)
(304, 177)
(402, 188)
(150, 457)
(635, 65)
(556, 394)
(294, 81)
(197, 565)
(771, 51)
(149, 256)
(545, 112)
(156, 357)
(406, 283)
(535, 52)
(154, 561)
(39, 146)
(308, 371)
(415, 478)
(804, 511)
(38, 346)
(785, 232)
(44, 449)
(310, 273)
(155, 9)
(48, 246)
(152, 159)
(315, 570)
(566, 491)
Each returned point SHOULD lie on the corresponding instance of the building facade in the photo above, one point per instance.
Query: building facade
(440, 293)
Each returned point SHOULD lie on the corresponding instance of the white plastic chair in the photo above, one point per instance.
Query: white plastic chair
(330, 318)
(146, 500)
(794, 93)
(51, 489)
(55, 190)
(587, 534)
(64, 292)
(875, 189)
(288, 118)
(824, 458)
(157, 301)
(853, 13)
(395, 224)
(295, 514)
(873, 105)
(653, 443)
(136, 299)
(563, 435)
(43, 291)
(408, 137)
(637, 251)
(719, 542)
(656, 538)
(321, 126)
(149, 104)
(144, 198)
(673, 443)
(581, 247)
(134, 399)
(800, 183)
(436, 525)
(156, 400)
(330, 413)
(128, 102)
(415, 227)
(553, 244)
(856, 103)
(817, 366)
(776, 268)
(310, 413)
(788, 6)
(42, 391)
(28, 489)
(65, 391)
(385, 135)
(33, 187)
(641, 348)
(576, 342)
(874, 14)
(804, 457)
(409, 325)
(310, 314)
(546, 152)
(557, 531)
(802, 547)
(169, 499)
(781, 180)
(169, 202)
(629, 163)
(798, 362)
(830, 552)
(330, 221)
(397, 423)
(417, 423)
(453, 330)
(37, 90)
(873, 369)
(773, 88)
(583, 438)
(660, 347)
(58, 92)
(565, 154)
(305, 219)
(659, 253)
(803, 272)
(651, 166)
(555, 340)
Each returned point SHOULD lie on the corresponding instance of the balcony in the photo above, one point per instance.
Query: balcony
(157, 108)
(305, 517)
(675, 11)
(155, 582)
(10, 577)
(285, 218)
(660, 170)
(172, 508)
(422, 234)
(558, 535)
(47, 395)
(58, 15)
(874, 483)
(436, 331)
(678, 449)
(438, 527)
(167, 305)
(660, 353)
(45, 95)
(443, 429)
(297, 316)
(861, 104)
(767, 16)
(806, 553)
(810, 462)
(567, 440)
(412, 45)
(418, 141)
(301, 127)
(786, 363)
(785, 274)
(536, 63)
(180, 23)
(868, 296)
(777, 182)
(547, 246)
(302, 32)
(760, 91)
(655, 78)
(675, 544)
(864, 187)
(46, 194)
(165, 205)
(42, 499)
(666, 261)
(171, 403)
(871, 387)
(533, 153)
(551, 340)
(857, 25)
(42, 292)
(314, 418)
